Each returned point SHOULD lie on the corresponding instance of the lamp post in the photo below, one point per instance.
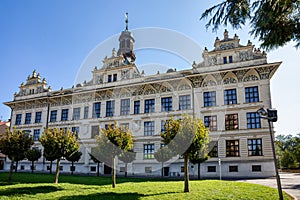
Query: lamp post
(271, 116)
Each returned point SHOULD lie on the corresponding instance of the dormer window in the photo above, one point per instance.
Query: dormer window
(109, 79)
(230, 59)
(224, 60)
(115, 78)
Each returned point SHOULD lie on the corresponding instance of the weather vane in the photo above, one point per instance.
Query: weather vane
(126, 21)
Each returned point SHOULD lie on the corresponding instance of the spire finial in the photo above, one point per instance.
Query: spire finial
(126, 21)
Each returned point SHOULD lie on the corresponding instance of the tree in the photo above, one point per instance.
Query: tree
(75, 157)
(13, 144)
(96, 161)
(18, 157)
(199, 157)
(127, 157)
(163, 155)
(50, 155)
(33, 155)
(273, 22)
(61, 142)
(185, 137)
(113, 141)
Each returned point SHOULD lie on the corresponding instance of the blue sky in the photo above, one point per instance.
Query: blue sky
(54, 37)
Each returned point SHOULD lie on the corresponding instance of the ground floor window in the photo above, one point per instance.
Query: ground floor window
(148, 169)
(211, 169)
(233, 168)
(256, 168)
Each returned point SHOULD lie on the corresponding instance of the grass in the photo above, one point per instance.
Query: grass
(40, 186)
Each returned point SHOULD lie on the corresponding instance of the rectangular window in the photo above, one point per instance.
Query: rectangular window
(115, 77)
(255, 147)
(137, 107)
(18, 119)
(232, 148)
(225, 60)
(256, 168)
(148, 151)
(38, 117)
(149, 105)
(96, 110)
(110, 108)
(125, 107)
(233, 168)
(251, 94)
(166, 104)
(64, 114)
(209, 98)
(230, 59)
(93, 168)
(184, 102)
(76, 113)
(253, 120)
(211, 122)
(213, 147)
(36, 134)
(149, 128)
(109, 78)
(211, 169)
(162, 126)
(53, 115)
(124, 126)
(148, 169)
(86, 112)
(75, 130)
(230, 97)
(27, 118)
(231, 122)
(95, 131)
(107, 126)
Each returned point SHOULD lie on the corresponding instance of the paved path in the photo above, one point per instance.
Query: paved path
(290, 183)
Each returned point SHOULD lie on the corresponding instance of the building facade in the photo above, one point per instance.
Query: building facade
(225, 90)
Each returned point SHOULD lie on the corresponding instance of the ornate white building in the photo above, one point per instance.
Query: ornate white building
(225, 90)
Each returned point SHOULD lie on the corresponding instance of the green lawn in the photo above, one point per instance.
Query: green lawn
(40, 186)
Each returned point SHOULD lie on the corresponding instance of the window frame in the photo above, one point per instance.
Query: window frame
(149, 106)
(76, 113)
(184, 102)
(64, 114)
(18, 119)
(230, 96)
(125, 107)
(149, 151)
(251, 94)
(231, 122)
(110, 108)
(96, 110)
(38, 117)
(209, 98)
(136, 107)
(211, 122)
(252, 147)
(253, 120)
(27, 118)
(166, 104)
(232, 148)
(53, 115)
(149, 128)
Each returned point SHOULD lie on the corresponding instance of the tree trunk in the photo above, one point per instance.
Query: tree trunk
(98, 166)
(72, 168)
(51, 166)
(32, 166)
(199, 171)
(113, 175)
(11, 170)
(57, 171)
(126, 170)
(186, 173)
(162, 169)
(16, 169)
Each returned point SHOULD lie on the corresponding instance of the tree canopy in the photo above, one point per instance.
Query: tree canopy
(14, 144)
(74, 157)
(59, 143)
(273, 22)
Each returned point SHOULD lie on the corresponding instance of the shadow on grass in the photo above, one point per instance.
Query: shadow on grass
(112, 195)
(28, 190)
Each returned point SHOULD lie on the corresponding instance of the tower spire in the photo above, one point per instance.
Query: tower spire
(126, 21)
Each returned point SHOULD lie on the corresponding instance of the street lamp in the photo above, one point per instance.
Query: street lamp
(271, 116)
